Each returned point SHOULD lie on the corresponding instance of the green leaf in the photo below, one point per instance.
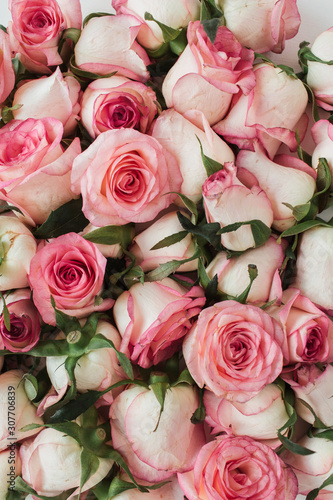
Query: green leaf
(168, 33)
(64, 322)
(100, 342)
(200, 413)
(294, 447)
(159, 389)
(30, 386)
(89, 465)
(184, 378)
(208, 232)
(260, 231)
(210, 165)
(209, 10)
(46, 348)
(86, 75)
(134, 275)
(211, 26)
(253, 273)
(178, 45)
(9, 208)
(111, 235)
(170, 240)
(65, 219)
(71, 429)
(303, 226)
(7, 112)
(95, 14)
(22, 487)
(299, 211)
(327, 434)
(5, 312)
(318, 424)
(164, 270)
(118, 486)
(189, 204)
(71, 34)
(314, 493)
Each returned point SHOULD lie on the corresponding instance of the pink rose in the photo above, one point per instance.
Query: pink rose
(35, 174)
(117, 102)
(227, 200)
(322, 134)
(24, 322)
(156, 444)
(36, 29)
(7, 476)
(206, 74)
(152, 334)
(234, 350)
(71, 270)
(7, 74)
(271, 113)
(319, 75)
(238, 467)
(54, 96)
(125, 176)
(263, 26)
(94, 52)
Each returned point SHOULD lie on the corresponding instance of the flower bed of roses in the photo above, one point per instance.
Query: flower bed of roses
(165, 264)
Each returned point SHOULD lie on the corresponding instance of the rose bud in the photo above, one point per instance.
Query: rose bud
(7, 74)
(10, 467)
(117, 102)
(319, 76)
(206, 75)
(156, 444)
(94, 52)
(13, 398)
(53, 96)
(51, 464)
(285, 180)
(259, 418)
(270, 113)
(18, 247)
(237, 467)
(314, 386)
(151, 335)
(322, 134)
(178, 134)
(233, 277)
(24, 322)
(149, 259)
(227, 200)
(175, 14)
(262, 26)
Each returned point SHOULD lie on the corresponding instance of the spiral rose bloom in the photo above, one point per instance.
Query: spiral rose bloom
(7, 74)
(319, 76)
(71, 270)
(238, 467)
(234, 350)
(125, 176)
(36, 29)
(322, 134)
(117, 102)
(153, 334)
(35, 174)
(206, 74)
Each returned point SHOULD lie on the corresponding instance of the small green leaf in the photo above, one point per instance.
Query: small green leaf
(178, 45)
(304, 226)
(89, 465)
(260, 231)
(111, 235)
(71, 34)
(118, 486)
(100, 342)
(208, 232)
(170, 240)
(86, 75)
(210, 165)
(5, 312)
(314, 493)
(184, 378)
(189, 204)
(159, 389)
(46, 348)
(294, 447)
(200, 413)
(299, 211)
(211, 26)
(168, 33)
(318, 424)
(134, 275)
(30, 386)
(64, 322)
(22, 487)
(95, 14)
(65, 219)
(7, 112)
(164, 270)
(209, 10)
(327, 434)
(253, 273)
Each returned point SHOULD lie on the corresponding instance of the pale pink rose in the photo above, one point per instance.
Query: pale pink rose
(10, 467)
(234, 350)
(117, 102)
(54, 96)
(285, 179)
(175, 13)
(153, 318)
(155, 444)
(7, 74)
(259, 418)
(262, 25)
(233, 277)
(113, 251)
(94, 52)
(125, 176)
(314, 258)
(51, 464)
(319, 75)
(14, 398)
(35, 174)
(312, 470)
(149, 259)
(314, 386)
(24, 322)
(271, 113)
(178, 134)
(206, 74)
(235, 467)
(227, 200)
(322, 134)
(308, 331)
(71, 270)
(36, 29)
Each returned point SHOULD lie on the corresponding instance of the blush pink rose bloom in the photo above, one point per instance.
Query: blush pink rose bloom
(234, 350)
(125, 176)
(36, 29)
(262, 25)
(227, 200)
(319, 75)
(54, 96)
(71, 270)
(175, 13)
(232, 467)
(156, 445)
(285, 179)
(94, 52)
(7, 74)
(233, 277)
(153, 318)
(270, 113)
(117, 102)
(35, 174)
(206, 75)
(308, 331)
(322, 134)
(24, 319)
